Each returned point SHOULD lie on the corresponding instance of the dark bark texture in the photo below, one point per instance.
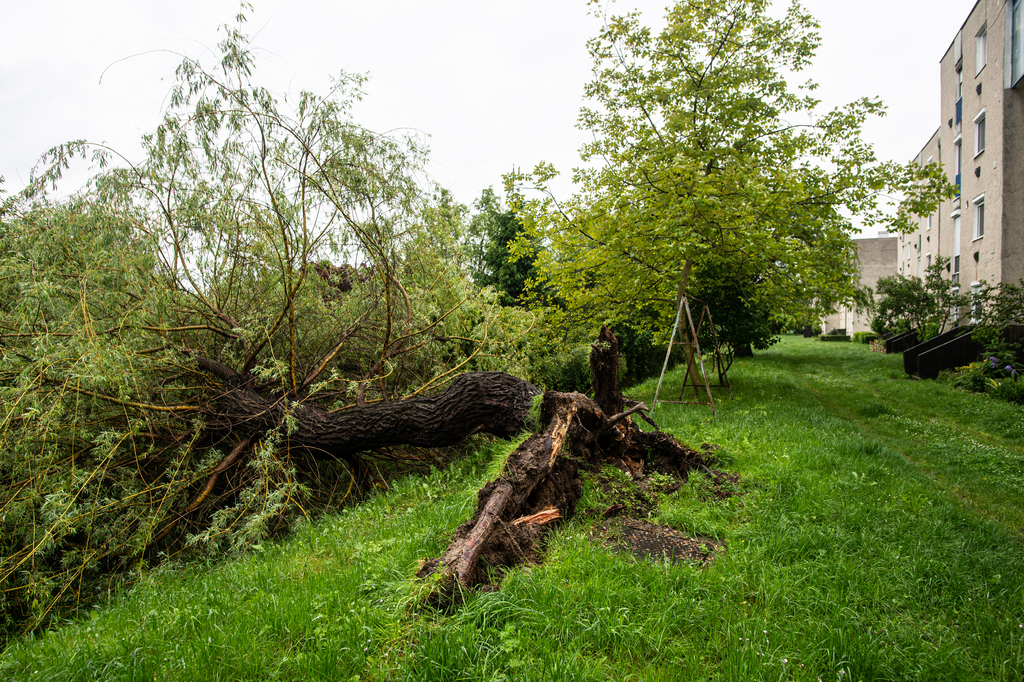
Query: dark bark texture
(475, 402)
(604, 372)
(544, 472)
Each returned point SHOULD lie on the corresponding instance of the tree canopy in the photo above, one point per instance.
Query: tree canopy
(492, 232)
(177, 334)
(702, 152)
(929, 305)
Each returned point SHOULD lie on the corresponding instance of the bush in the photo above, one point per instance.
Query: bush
(563, 368)
(864, 337)
(994, 375)
(970, 378)
(834, 337)
(1010, 391)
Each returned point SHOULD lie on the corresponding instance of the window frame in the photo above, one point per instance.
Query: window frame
(975, 302)
(957, 223)
(978, 225)
(981, 49)
(979, 133)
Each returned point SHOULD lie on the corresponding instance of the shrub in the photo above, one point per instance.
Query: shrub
(970, 378)
(864, 337)
(1008, 390)
(833, 337)
(562, 368)
(928, 304)
(994, 375)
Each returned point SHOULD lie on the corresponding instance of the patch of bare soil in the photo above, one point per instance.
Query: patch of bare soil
(647, 541)
(632, 495)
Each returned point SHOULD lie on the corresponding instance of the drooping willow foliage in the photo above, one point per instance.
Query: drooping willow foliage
(284, 250)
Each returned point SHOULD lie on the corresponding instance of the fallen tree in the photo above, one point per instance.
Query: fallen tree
(232, 333)
(540, 482)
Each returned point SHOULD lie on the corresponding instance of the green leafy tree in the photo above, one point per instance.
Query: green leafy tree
(741, 324)
(493, 229)
(702, 153)
(183, 340)
(929, 305)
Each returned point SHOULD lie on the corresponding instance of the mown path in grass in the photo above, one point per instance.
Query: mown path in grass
(878, 537)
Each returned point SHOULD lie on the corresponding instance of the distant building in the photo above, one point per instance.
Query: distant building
(980, 143)
(877, 258)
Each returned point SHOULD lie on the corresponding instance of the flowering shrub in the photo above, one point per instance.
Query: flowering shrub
(993, 375)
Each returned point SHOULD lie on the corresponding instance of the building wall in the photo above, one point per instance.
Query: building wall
(1013, 184)
(876, 257)
(994, 175)
(914, 249)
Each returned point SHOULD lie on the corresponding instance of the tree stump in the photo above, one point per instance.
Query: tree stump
(542, 476)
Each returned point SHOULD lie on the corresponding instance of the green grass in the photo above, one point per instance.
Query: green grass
(878, 537)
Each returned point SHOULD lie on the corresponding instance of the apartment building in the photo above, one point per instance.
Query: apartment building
(980, 143)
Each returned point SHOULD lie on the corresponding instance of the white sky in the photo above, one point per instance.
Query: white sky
(494, 84)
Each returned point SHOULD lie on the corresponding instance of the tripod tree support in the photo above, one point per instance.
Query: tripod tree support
(695, 374)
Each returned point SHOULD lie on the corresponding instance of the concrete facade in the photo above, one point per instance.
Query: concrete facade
(980, 144)
(876, 257)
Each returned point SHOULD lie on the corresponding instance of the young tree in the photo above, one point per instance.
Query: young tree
(929, 305)
(703, 153)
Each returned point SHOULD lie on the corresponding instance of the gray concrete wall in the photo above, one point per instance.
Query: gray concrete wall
(1012, 217)
(877, 257)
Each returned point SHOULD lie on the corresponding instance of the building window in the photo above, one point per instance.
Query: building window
(979, 216)
(956, 247)
(929, 223)
(919, 254)
(957, 160)
(954, 311)
(975, 302)
(979, 133)
(927, 261)
(981, 49)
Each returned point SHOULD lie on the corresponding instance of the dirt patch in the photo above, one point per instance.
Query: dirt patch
(721, 486)
(647, 541)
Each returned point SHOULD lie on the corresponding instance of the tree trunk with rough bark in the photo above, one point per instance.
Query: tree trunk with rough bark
(475, 402)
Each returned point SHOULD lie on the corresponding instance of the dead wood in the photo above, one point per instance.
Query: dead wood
(540, 481)
(604, 372)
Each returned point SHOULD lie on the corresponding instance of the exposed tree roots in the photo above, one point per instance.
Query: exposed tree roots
(515, 510)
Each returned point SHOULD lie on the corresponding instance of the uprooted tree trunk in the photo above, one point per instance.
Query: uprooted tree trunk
(475, 402)
(540, 482)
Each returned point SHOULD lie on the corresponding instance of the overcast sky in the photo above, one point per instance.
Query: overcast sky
(494, 84)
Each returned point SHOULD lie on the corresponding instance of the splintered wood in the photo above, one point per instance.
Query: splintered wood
(540, 481)
(541, 518)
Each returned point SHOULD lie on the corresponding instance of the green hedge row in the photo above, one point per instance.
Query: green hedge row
(833, 337)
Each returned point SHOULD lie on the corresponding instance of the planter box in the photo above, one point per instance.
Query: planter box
(963, 350)
(911, 355)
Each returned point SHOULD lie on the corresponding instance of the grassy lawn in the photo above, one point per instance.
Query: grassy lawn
(878, 537)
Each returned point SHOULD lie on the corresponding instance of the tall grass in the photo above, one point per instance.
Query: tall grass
(878, 536)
